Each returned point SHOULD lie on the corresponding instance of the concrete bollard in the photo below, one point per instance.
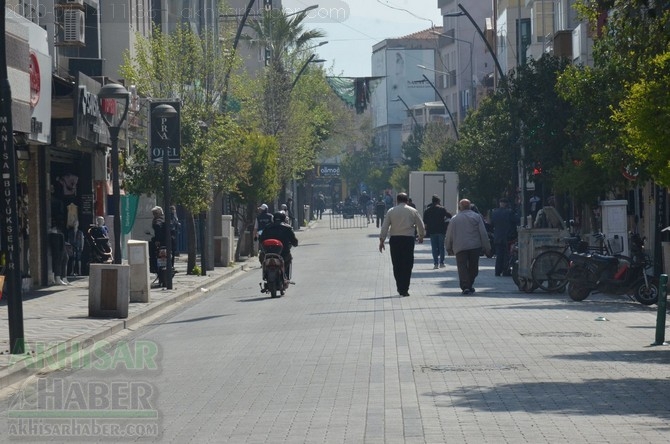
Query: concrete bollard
(306, 215)
(138, 261)
(108, 291)
(224, 244)
(660, 314)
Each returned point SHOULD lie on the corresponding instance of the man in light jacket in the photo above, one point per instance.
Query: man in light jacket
(400, 224)
(466, 237)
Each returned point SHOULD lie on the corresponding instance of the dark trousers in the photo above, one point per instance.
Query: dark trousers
(467, 262)
(502, 258)
(402, 257)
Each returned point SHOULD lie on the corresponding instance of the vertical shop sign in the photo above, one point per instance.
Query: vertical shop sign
(9, 237)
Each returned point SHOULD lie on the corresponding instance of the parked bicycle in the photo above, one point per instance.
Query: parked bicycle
(550, 268)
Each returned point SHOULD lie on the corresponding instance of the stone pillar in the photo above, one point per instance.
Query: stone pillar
(138, 261)
(225, 244)
(108, 291)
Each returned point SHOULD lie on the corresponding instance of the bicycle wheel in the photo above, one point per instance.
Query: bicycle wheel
(549, 271)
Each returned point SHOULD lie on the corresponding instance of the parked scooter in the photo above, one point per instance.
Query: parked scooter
(276, 278)
(613, 274)
(158, 261)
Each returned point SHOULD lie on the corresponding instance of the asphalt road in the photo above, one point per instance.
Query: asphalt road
(343, 358)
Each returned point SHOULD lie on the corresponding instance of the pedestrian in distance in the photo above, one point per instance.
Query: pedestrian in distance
(320, 206)
(466, 237)
(400, 224)
(436, 219)
(380, 211)
(504, 225)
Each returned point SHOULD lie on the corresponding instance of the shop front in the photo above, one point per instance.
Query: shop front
(29, 66)
(75, 180)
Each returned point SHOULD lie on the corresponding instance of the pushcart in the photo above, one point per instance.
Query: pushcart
(533, 242)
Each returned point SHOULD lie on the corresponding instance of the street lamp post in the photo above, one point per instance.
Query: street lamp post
(115, 92)
(464, 12)
(203, 216)
(451, 117)
(520, 169)
(311, 59)
(472, 82)
(411, 113)
(164, 112)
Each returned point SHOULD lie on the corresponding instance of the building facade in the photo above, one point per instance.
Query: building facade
(401, 64)
(61, 53)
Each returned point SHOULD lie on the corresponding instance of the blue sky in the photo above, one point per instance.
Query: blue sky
(352, 27)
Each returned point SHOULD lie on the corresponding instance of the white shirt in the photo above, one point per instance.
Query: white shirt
(402, 220)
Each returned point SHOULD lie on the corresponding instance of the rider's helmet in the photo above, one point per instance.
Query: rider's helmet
(279, 217)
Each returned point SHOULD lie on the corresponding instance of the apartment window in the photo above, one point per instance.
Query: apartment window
(543, 21)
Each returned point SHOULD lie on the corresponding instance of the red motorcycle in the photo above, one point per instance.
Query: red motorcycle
(613, 274)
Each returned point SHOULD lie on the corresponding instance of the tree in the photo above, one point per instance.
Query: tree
(634, 34)
(438, 150)
(262, 155)
(285, 40)
(190, 68)
(486, 164)
(645, 114)
(411, 148)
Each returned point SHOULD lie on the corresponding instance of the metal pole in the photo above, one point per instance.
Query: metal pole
(486, 42)
(203, 249)
(168, 225)
(9, 206)
(660, 313)
(453, 122)
(411, 113)
(473, 87)
(116, 192)
(302, 70)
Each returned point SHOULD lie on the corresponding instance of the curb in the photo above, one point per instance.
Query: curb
(28, 366)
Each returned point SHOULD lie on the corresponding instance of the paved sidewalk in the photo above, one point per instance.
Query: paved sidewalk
(57, 315)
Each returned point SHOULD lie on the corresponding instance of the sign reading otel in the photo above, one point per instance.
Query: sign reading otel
(165, 134)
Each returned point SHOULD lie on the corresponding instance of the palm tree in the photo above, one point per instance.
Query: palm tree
(282, 35)
(287, 44)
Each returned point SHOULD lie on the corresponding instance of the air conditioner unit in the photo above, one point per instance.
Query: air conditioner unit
(74, 2)
(74, 27)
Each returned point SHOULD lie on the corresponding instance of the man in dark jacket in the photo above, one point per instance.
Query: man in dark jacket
(282, 232)
(263, 220)
(380, 210)
(436, 219)
(504, 224)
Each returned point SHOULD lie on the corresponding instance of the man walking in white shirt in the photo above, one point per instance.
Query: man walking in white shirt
(400, 223)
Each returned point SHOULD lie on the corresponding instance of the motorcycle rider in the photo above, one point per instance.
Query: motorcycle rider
(282, 232)
(263, 219)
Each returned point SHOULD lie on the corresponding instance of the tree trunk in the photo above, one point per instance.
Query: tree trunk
(245, 246)
(191, 247)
